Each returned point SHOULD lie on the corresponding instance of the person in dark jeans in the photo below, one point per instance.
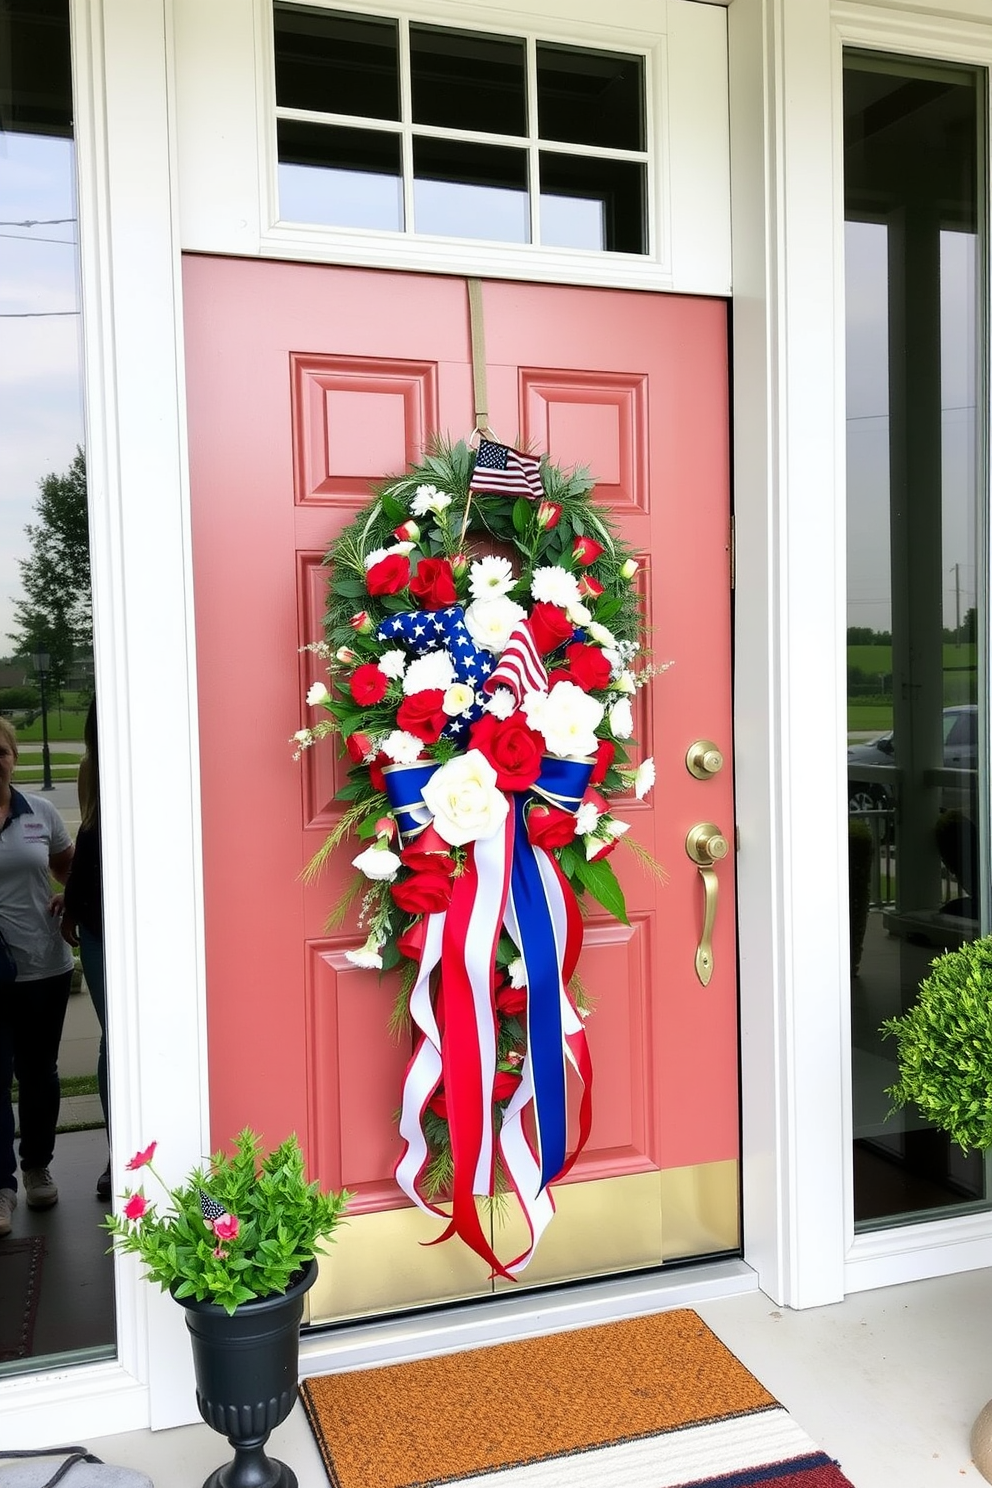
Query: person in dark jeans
(34, 848)
(82, 922)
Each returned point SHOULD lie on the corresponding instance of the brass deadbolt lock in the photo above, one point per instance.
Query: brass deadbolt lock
(703, 759)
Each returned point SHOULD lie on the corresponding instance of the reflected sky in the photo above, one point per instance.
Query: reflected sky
(41, 419)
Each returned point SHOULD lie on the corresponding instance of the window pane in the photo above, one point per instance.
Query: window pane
(470, 191)
(590, 98)
(463, 80)
(35, 89)
(340, 177)
(592, 203)
(915, 256)
(335, 63)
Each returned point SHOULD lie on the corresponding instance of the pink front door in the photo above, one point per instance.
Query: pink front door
(306, 384)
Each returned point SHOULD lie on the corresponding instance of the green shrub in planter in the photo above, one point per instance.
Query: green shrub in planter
(945, 1046)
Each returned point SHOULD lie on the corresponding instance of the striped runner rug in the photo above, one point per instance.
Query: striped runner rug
(654, 1402)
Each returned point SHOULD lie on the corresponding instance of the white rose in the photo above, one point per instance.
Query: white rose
(377, 863)
(465, 802)
(490, 622)
(318, 693)
(401, 547)
(622, 719)
(600, 634)
(431, 672)
(644, 779)
(457, 699)
(578, 613)
(625, 682)
(567, 717)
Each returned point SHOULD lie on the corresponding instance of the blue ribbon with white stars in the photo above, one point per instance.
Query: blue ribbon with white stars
(421, 631)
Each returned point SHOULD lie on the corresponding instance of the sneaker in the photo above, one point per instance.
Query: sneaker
(39, 1190)
(8, 1203)
(104, 1185)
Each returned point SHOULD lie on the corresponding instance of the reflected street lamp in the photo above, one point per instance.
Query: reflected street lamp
(41, 661)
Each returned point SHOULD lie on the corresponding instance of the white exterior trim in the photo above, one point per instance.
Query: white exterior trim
(227, 145)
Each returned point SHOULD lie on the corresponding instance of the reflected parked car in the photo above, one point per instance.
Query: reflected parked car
(960, 753)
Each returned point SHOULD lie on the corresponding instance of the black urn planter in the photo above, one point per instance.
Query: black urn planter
(246, 1366)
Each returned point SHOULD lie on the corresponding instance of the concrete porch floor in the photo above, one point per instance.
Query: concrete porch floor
(888, 1382)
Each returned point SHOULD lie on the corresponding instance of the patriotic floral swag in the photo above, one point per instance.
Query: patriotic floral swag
(485, 702)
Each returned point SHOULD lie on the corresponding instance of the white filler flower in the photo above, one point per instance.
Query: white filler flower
(429, 499)
(644, 779)
(490, 578)
(433, 671)
(567, 717)
(318, 694)
(501, 704)
(555, 586)
(465, 801)
(377, 863)
(490, 621)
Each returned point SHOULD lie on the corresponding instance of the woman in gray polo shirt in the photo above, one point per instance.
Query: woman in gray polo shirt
(34, 844)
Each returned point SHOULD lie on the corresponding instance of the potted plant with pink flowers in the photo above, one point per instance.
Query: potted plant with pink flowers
(236, 1246)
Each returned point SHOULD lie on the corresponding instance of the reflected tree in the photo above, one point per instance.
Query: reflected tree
(55, 615)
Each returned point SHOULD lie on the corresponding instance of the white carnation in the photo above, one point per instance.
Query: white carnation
(586, 819)
(621, 719)
(377, 863)
(517, 973)
(600, 634)
(578, 613)
(555, 586)
(490, 622)
(402, 748)
(490, 578)
(429, 499)
(367, 956)
(625, 682)
(502, 703)
(376, 556)
(318, 694)
(644, 779)
(433, 671)
(567, 717)
(392, 664)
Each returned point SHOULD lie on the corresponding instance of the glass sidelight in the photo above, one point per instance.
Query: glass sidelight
(916, 253)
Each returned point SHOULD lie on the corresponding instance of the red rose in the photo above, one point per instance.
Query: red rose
(605, 752)
(550, 627)
(359, 746)
(422, 893)
(512, 748)
(604, 850)
(505, 1084)
(560, 674)
(434, 584)
(421, 714)
(586, 551)
(368, 685)
(428, 851)
(411, 942)
(589, 587)
(548, 514)
(512, 1001)
(376, 777)
(389, 575)
(590, 668)
(549, 827)
(593, 798)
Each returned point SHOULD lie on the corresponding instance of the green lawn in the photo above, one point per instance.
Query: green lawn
(865, 716)
(68, 727)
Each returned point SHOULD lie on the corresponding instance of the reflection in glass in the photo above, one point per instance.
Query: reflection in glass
(332, 63)
(45, 631)
(465, 190)
(467, 81)
(609, 193)
(916, 566)
(588, 97)
(340, 177)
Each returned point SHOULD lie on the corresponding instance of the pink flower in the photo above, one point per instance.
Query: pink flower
(142, 1159)
(136, 1205)
(219, 1253)
(226, 1227)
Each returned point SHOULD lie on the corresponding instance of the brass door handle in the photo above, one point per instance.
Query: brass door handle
(705, 845)
(704, 759)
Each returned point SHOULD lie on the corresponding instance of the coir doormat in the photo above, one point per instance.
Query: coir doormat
(655, 1402)
(20, 1293)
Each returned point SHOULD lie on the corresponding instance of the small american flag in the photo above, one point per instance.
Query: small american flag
(211, 1209)
(520, 667)
(501, 471)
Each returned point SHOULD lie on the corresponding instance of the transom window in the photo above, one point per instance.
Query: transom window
(389, 124)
